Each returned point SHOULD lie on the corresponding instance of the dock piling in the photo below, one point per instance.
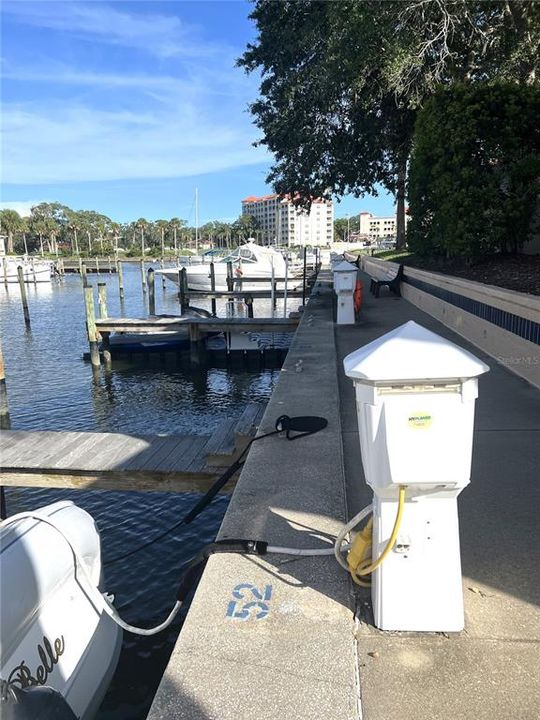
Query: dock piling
(5, 422)
(84, 275)
(97, 265)
(182, 281)
(249, 304)
(195, 344)
(143, 277)
(33, 266)
(213, 287)
(273, 288)
(4, 263)
(20, 274)
(102, 300)
(120, 272)
(151, 292)
(304, 278)
(91, 325)
(163, 281)
(286, 287)
(106, 345)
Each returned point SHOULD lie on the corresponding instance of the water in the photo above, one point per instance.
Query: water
(51, 388)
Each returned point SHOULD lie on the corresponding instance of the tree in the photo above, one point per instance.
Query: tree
(340, 228)
(10, 223)
(475, 169)
(162, 227)
(175, 224)
(142, 225)
(49, 220)
(342, 82)
(326, 111)
(245, 227)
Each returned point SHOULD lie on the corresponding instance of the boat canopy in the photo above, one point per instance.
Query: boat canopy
(250, 252)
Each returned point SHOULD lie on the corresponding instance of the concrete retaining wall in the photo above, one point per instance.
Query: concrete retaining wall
(503, 323)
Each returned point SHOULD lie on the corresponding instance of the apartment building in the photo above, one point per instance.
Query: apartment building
(282, 223)
(377, 227)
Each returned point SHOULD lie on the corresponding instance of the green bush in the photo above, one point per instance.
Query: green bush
(474, 173)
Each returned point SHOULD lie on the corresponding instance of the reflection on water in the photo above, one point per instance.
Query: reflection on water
(50, 387)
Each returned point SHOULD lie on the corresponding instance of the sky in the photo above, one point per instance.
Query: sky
(127, 107)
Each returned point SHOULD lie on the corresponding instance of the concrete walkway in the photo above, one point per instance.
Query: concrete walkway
(286, 638)
(273, 638)
(492, 669)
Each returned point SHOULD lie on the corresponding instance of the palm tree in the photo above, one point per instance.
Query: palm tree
(10, 223)
(23, 230)
(142, 224)
(74, 226)
(176, 224)
(162, 226)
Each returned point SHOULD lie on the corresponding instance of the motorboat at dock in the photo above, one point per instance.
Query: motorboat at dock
(249, 260)
(58, 646)
(33, 271)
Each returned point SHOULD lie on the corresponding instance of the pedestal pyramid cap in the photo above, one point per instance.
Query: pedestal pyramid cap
(410, 352)
(344, 266)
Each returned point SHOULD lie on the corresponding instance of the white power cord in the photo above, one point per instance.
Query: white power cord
(101, 599)
(105, 601)
(353, 522)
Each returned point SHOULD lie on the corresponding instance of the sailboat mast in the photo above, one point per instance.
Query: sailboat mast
(197, 221)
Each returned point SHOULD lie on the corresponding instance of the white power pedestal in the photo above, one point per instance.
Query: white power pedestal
(415, 396)
(344, 283)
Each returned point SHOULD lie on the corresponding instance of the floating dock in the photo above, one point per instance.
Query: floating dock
(120, 461)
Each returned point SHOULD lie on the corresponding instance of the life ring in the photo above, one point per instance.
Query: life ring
(358, 296)
(238, 270)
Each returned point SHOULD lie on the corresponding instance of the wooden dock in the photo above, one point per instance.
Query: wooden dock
(95, 265)
(122, 461)
(157, 323)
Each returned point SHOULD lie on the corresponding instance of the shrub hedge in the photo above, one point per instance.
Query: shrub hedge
(474, 171)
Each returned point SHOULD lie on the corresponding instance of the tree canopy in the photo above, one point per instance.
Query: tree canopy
(58, 229)
(342, 81)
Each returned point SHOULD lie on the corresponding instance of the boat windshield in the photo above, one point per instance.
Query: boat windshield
(243, 254)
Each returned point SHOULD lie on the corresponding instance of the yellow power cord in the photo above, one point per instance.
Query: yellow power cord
(359, 564)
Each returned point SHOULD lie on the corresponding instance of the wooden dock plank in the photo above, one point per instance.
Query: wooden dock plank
(194, 457)
(68, 443)
(146, 453)
(106, 451)
(245, 423)
(193, 481)
(122, 449)
(27, 451)
(175, 457)
(140, 325)
(10, 439)
(171, 451)
(175, 463)
(219, 435)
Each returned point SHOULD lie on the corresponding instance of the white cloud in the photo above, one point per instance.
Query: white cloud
(75, 123)
(156, 34)
(77, 143)
(23, 207)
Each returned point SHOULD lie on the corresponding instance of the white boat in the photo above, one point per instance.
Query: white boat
(33, 271)
(249, 260)
(54, 631)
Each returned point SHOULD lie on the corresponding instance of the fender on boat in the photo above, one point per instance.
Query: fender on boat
(52, 630)
(33, 703)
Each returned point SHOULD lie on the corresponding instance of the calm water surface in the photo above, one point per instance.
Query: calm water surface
(50, 387)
